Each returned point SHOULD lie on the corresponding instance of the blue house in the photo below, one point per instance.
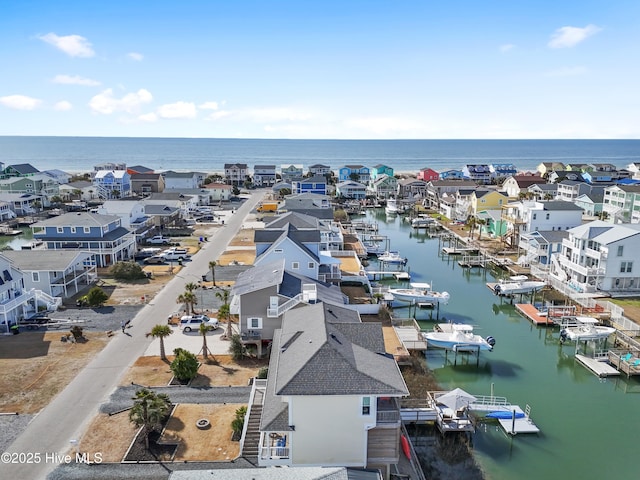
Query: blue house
(503, 170)
(102, 235)
(316, 184)
(347, 173)
(379, 170)
(451, 175)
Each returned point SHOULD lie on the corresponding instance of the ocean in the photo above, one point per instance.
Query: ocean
(79, 154)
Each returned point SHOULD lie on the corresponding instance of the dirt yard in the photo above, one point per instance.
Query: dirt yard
(36, 366)
(152, 371)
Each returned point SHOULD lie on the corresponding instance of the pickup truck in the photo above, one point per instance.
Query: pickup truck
(173, 255)
(159, 240)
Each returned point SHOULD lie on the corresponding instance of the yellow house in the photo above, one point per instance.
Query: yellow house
(487, 200)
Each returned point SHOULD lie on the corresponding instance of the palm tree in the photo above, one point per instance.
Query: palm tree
(189, 299)
(212, 265)
(149, 411)
(190, 287)
(182, 299)
(203, 331)
(481, 222)
(161, 331)
(224, 311)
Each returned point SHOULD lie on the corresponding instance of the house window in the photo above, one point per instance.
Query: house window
(86, 229)
(312, 265)
(60, 229)
(366, 405)
(295, 265)
(620, 250)
(35, 276)
(73, 229)
(547, 216)
(625, 267)
(254, 323)
(535, 215)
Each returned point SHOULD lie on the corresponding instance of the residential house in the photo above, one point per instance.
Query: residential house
(288, 173)
(435, 191)
(111, 166)
(351, 189)
(494, 226)
(412, 188)
(17, 302)
(634, 170)
(320, 169)
(262, 294)
(570, 190)
(19, 170)
(531, 216)
(452, 175)
(600, 256)
(383, 187)
(542, 191)
(482, 199)
(379, 170)
(78, 190)
(22, 203)
(428, 175)
(357, 173)
(502, 170)
(236, 174)
(219, 192)
(5, 211)
(546, 168)
(204, 196)
(316, 184)
(481, 174)
(62, 273)
(180, 180)
(112, 184)
(162, 216)
(264, 175)
(132, 216)
(331, 237)
(591, 203)
(318, 206)
(58, 175)
(330, 383)
(463, 209)
(102, 235)
(146, 183)
(138, 170)
(539, 246)
(558, 175)
(186, 203)
(36, 184)
(621, 203)
(516, 185)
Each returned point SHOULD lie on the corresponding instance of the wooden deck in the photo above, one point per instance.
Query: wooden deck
(599, 368)
(533, 314)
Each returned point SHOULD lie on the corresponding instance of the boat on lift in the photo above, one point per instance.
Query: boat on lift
(392, 207)
(458, 337)
(583, 329)
(419, 293)
(392, 257)
(517, 284)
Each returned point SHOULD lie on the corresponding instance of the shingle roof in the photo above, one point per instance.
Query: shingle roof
(79, 219)
(41, 260)
(559, 205)
(24, 168)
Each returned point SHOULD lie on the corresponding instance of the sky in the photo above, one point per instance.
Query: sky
(407, 69)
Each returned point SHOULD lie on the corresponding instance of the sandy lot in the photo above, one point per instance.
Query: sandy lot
(37, 365)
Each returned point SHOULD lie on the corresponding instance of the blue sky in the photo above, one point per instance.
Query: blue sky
(331, 69)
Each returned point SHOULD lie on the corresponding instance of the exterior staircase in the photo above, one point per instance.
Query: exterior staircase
(251, 442)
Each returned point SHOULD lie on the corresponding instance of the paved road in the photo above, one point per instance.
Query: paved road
(68, 414)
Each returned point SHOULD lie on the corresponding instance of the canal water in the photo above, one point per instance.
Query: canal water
(15, 242)
(589, 426)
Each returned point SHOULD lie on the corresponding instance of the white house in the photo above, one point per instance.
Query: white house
(131, 213)
(112, 184)
(600, 256)
(351, 189)
(180, 180)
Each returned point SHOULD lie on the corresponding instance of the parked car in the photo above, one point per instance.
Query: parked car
(159, 240)
(155, 259)
(205, 219)
(177, 250)
(173, 256)
(192, 322)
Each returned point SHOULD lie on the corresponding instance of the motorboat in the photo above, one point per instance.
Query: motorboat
(392, 257)
(374, 248)
(585, 328)
(418, 293)
(392, 207)
(458, 337)
(517, 284)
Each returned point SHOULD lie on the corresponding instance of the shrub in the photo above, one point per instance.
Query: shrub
(127, 271)
(76, 331)
(184, 366)
(263, 373)
(237, 424)
(236, 348)
(96, 297)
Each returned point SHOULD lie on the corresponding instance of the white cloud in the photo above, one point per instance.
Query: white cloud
(209, 106)
(20, 102)
(148, 117)
(75, 80)
(138, 57)
(63, 106)
(566, 37)
(566, 72)
(72, 45)
(178, 110)
(507, 47)
(107, 104)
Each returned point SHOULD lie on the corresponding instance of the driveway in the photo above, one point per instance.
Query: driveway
(64, 420)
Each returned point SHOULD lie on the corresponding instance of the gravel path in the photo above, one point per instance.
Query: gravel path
(122, 397)
(11, 426)
(99, 319)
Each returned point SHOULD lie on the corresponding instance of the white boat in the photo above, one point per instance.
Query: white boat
(517, 284)
(585, 328)
(374, 248)
(422, 222)
(392, 257)
(392, 207)
(458, 337)
(419, 293)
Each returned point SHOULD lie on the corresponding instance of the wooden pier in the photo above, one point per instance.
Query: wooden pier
(459, 250)
(601, 368)
(533, 314)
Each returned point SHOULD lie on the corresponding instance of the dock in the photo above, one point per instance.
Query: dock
(459, 250)
(512, 426)
(601, 368)
(533, 314)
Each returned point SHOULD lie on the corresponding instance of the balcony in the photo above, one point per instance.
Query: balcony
(251, 335)
(387, 411)
(580, 269)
